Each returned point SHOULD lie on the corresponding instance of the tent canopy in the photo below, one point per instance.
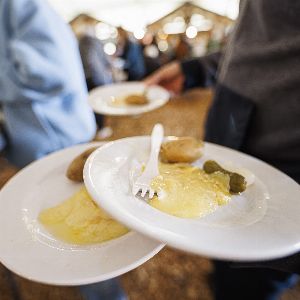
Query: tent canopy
(136, 14)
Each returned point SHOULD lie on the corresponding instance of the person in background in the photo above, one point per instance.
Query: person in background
(132, 53)
(42, 88)
(256, 109)
(151, 53)
(43, 93)
(182, 49)
(97, 66)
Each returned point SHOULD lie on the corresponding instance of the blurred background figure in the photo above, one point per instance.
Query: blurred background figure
(182, 49)
(42, 88)
(132, 54)
(96, 63)
(151, 53)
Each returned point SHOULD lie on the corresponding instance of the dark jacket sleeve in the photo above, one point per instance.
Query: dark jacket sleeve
(290, 264)
(229, 118)
(227, 124)
(201, 72)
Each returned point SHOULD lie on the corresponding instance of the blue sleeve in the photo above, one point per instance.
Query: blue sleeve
(42, 58)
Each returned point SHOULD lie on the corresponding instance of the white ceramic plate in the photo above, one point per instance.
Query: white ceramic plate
(27, 249)
(262, 223)
(100, 98)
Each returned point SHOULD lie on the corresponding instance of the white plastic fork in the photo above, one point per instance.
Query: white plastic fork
(142, 183)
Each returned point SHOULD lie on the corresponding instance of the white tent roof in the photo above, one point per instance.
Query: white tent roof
(136, 14)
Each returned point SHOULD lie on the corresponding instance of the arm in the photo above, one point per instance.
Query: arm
(42, 60)
(201, 71)
(177, 76)
(290, 264)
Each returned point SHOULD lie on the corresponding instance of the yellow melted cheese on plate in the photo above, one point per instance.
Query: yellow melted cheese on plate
(79, 220)
(188, 192)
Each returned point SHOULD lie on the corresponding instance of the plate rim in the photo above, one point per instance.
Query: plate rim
(78, 281)
(172, 242)
(96, 279)
(142, 110)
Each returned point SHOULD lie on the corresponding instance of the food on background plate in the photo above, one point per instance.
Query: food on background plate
(181, 150)
(136, 99)
(75, 169)
(79, 220)
(132, 99)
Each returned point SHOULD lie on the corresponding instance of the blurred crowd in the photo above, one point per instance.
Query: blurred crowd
(128, 58)
(255, 107)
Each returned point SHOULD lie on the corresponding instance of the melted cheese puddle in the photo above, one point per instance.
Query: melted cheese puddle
(78, 220)
(188, 192)
(117, 102)
(123, 101)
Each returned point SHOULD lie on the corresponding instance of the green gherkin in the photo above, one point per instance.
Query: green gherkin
(237, 182)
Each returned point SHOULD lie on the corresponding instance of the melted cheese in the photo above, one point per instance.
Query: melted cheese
(134, 99)
(78, 220)
(117, 102)
(188, 192)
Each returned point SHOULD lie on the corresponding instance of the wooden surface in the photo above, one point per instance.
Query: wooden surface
(171, 274)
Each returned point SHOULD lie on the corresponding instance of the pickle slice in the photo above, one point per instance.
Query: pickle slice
(237, 182)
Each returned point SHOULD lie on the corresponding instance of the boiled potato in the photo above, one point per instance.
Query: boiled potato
(181, 150)
(75, 169)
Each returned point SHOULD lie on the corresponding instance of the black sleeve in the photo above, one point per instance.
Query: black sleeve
(227, 124)
(229, 118)
(201, 72)
(290, 264)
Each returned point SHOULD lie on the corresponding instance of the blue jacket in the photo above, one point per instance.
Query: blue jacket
(42, 88)
(134, 60)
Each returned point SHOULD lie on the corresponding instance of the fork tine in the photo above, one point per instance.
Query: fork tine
(144, 191)
(151, 193)
(143, 181)
(135, 189)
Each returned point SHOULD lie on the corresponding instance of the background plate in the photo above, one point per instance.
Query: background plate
(100, 98)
